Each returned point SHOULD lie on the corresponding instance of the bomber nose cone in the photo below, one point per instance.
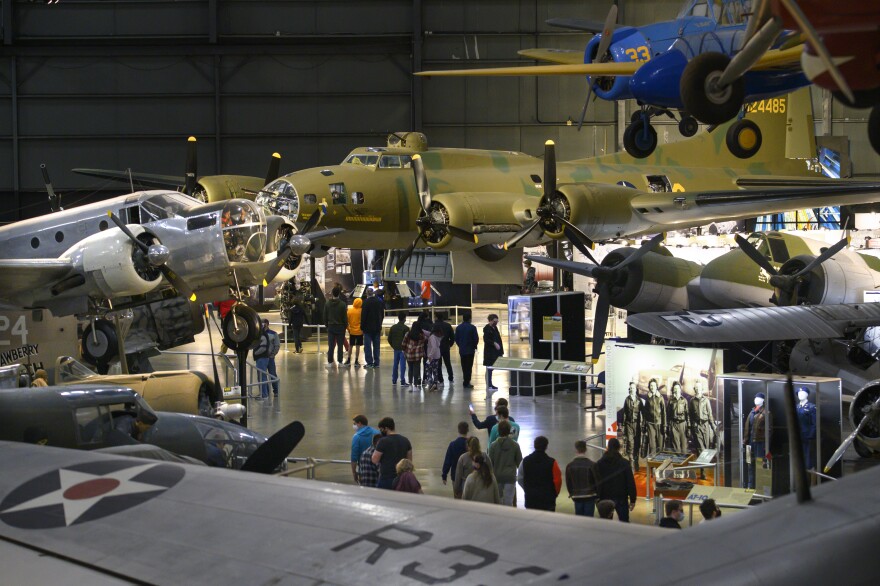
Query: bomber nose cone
(158, 255)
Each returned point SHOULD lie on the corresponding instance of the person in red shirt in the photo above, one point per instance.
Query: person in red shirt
(426, 293)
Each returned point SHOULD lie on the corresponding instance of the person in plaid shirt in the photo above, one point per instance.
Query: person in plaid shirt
(368, 473)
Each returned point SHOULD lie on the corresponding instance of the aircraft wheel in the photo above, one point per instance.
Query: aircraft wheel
(700, 95)
(241, 327)
(744, 139)
(874, 128)
(688, 126)
(636, 143)
(102, 346)
(635, 116)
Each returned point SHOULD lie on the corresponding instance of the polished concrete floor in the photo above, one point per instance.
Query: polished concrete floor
(326, 401)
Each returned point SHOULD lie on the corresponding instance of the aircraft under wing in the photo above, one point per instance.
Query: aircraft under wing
(775, 58)
(146, 180)
(751, 324)
(20, 275)
(164, 523)
(554, 55)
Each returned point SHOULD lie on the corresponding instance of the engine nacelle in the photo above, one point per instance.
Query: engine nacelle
(600, 211)
(279, 229)
(108, 262)
(656, 282)
(861, 408)
(841, 279)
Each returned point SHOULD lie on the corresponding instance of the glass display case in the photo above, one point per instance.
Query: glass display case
(770, 466)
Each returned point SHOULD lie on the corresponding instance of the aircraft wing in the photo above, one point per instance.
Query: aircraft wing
(176, 524)
(752, 324)
(577, 268)
(21, 275)
(563, 56)
(578, 24)
(143, 179)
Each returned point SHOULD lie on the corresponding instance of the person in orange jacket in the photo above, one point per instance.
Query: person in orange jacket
(355, 334)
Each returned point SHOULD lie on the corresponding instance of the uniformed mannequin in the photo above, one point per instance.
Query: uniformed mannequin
(631, 424)
(806, 413)
(677, 420)
(654, 417)
(702, 422)
(755, 436)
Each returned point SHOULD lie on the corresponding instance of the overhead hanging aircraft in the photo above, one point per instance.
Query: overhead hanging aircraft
(840, 54)
(208, 188)
(86, 517)
(477, 204)
(646, 63)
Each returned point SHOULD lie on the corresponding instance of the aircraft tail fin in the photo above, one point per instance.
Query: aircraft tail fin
(787, 138)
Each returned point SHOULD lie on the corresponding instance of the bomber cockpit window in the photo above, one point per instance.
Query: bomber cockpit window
(362, 159)
(244, 232)
(163, 206)
(279, 198)
(395, 162)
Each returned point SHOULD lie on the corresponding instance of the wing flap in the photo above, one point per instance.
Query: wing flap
(753, 324)
(562, 56)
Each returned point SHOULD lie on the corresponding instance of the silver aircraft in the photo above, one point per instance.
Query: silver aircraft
(87, 518)
(133, 249)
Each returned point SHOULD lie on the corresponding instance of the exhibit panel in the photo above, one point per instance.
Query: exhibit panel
(754, 429)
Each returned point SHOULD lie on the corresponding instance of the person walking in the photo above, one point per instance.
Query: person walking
(491, 420)
(580, 480)
(395, 339)
(467, 339)
(355, 334)
(360, 441)
(371, 323)
(493, 348)
(616, 481)
(432, 375)
(481, 485)
(296, 319)
(456, 448)
(465, 464)
(414, 350)
(367, 472)
(406, 480)
(503, 414)
(540, 477)
(445, 346)
(274, 349)
(261, 357)
(336, 320)
(390, 450)
(506, 457)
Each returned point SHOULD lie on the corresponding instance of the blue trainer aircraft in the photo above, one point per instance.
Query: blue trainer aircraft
(646, 63)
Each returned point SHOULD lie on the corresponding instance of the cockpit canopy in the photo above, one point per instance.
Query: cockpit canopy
(724, 12)
(279, 198)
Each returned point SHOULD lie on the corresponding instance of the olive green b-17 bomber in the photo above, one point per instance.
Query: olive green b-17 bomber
(477, 204)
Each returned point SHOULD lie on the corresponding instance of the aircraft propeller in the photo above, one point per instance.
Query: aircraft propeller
(547, 213)
(191, 174)
(274, 169)
(871, 413)
(300, 243)
(426, 222)
(156, 255)
(786, 286)
(604, 43)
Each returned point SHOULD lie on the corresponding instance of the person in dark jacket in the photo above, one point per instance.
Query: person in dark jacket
(336, 319)
(372, 315)
(296, 318)
(493, 348)
(456, 448)
(616, 481)
(492, 420)
(445, 346)
(396, 335)
(467, 339)
(674, 515)
(580, 480)
(540, 478)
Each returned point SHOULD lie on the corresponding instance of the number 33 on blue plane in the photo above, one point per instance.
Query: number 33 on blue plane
(646, 63)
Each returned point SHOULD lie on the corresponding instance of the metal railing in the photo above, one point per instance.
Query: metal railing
(600, 447)
(309, 466)
(229, 376)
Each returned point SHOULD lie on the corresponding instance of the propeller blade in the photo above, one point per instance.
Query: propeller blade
(753, 254)
(604, 43)
(577, 238)
(277, 265)
(586, 105)
(578, 268)
(218, 390)
(275, 450)
(815, 40)
(549, 170)
(177, 282)
(421, 183)
(644, 249)
(872, 412)
(124, 229)
(189, 186)
(406, 254)
(313, 220)
(462, 234)
(521, 234)
(829, 252)
(600, 320)
(274, 167)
